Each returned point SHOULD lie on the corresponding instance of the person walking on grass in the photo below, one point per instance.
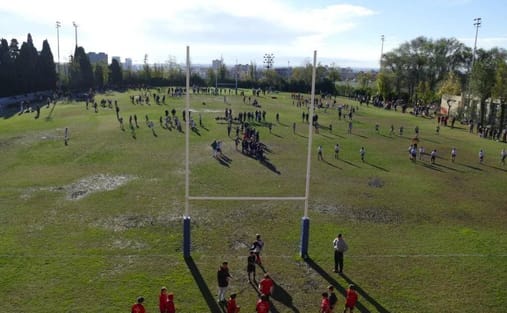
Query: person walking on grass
(324, 304)
(162, 300)
(453, 154)
(333, 299)
(250, 267)
(262, 305)
(362, 152)
(319, 153)
(481, 156)
(433, 156)
(223, 277)
(336, 151)
(339, 246)
(351, 299)
(503, 156)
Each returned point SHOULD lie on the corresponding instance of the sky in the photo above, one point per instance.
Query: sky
(344, 33)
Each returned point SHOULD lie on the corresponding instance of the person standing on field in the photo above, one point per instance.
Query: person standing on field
(223, 277)
(340, 246)
(351, 299)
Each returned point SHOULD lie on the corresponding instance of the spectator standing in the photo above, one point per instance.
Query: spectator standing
(223, 277)
(340, 246)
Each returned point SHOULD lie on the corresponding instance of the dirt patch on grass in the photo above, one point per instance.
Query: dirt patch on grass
(378, 215)
(376, 182)
(133, 221)
(95, 183)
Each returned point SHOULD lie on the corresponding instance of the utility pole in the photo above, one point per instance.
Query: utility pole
(381, 51)
(477, 24)
(58, 25)
(75, 31)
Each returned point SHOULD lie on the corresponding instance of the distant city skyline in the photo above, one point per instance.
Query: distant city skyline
(346, 34)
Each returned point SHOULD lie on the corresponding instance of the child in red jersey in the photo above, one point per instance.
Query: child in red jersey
(324, 304)
(232, 307)
(351, 300)
(170, 303)
(262, 305)
(266, 285)
(138, 307)
(162, 300)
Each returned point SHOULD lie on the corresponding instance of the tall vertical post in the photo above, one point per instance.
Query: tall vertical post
(477, 24)
(75, 31)
(58, 25)
(305, 222)
(381, 52)
(186, 217)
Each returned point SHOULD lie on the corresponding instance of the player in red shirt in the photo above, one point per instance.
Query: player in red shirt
(170, 303)
(162, 300)
(262, 305)
(266, 285)
(324, 304)
(232, 307)
(351, 300)
(138, 307)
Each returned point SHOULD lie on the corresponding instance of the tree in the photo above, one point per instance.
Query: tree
(7, 69)
(385, 84)
(99, 76)
(26, 67)
(333, 73)
(483, 78)
(500, 90)
(115, 73)
(80, 70)
(46, 68)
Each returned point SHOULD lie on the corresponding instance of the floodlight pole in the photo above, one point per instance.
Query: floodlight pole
(75, 31)
(186, 217)
(305, 222)
(58, 25)
(381, 51)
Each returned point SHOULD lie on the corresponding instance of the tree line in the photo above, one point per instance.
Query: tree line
(418, 72)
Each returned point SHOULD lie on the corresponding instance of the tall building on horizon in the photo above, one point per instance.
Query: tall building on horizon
(95, 58)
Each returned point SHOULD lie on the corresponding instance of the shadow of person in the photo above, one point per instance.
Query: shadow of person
(281, 295)
(342, 289)
(203, 287)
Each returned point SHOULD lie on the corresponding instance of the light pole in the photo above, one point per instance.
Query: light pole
(269, 59)
(381, 51)
(477, 24)
(58, 25)
(75, 31)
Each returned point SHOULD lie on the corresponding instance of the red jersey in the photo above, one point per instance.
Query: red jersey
(262, 306)
(266, 285)
(351, 298)
(138, 308)
(324, 306)
(232, 307)
(170, 307)
(162, 302)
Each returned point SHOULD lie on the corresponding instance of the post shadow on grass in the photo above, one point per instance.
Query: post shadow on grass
(281, 295)
(349, 163)
(203, 287)
(362, 293)
(50, 115)
(495, 167)
(432, 167)
(331, 164)
(356, 134)
(447, 167)
(470, 167)
(376, 166)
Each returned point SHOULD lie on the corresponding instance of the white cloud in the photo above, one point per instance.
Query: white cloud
(162, 28)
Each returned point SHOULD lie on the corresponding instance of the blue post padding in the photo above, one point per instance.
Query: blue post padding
(305, 236)
(186, 236)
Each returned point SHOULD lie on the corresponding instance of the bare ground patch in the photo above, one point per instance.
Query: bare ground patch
(130, 221)
(378, 215)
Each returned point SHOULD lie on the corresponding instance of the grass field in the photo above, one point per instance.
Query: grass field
(90, 226)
